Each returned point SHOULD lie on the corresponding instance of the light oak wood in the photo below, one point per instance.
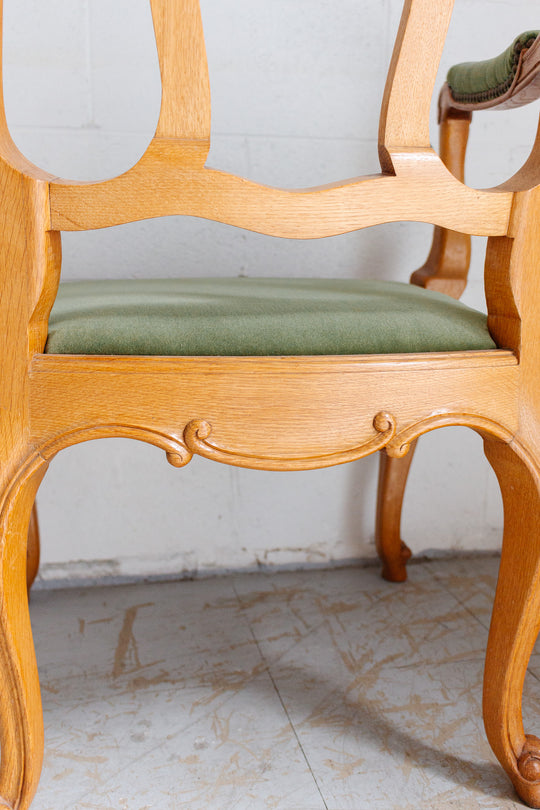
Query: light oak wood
(515, 620)
(447, 265)
(21, 725)
(185, 101)
(393, 552)
(276, 409)
(421, 190)
(32, 549)
(277, 413)
(404, 121)
(445, 270)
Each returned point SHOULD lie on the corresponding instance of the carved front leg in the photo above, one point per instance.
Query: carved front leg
(515, 620)
(21, 723)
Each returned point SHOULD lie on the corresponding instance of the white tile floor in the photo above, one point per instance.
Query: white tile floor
(312, 690)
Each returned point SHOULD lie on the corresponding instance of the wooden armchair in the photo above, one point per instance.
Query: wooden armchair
(236, 371)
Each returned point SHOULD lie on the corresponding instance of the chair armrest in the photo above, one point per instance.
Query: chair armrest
(508, 80)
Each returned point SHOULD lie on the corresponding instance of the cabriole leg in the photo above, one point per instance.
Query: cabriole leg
(515, 620)
(21, 724)
(393, 552)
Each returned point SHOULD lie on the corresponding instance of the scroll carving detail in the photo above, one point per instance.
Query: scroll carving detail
(198, 432)
(179, 449)
(399, 445)
(177, 453)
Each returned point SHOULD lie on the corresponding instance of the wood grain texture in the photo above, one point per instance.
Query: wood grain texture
(275, 412)
(23, 266)
(514, 301)
(198, 439)
(392, 551)
(270, 409)
(185, 99)
(404, 120)
(445, 270)
(447, 265)
(515, 619)
(27, 286)
(21, 725)
(161, 184)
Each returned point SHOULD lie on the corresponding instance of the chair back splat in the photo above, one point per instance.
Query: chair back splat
(282, 374)
(414, 184)
(404, 121)
(185, 100)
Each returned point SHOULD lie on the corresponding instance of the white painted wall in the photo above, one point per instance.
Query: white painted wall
(296, 92)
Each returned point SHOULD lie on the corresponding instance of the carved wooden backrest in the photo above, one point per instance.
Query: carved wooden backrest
(171, 178)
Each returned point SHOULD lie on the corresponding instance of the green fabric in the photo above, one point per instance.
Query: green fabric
(247, 316)
(473, 82)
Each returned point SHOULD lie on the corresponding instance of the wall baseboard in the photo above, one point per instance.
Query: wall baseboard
(98, 573)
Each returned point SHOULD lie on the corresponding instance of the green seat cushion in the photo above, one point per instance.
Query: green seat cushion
(248, 316)
(473, 82)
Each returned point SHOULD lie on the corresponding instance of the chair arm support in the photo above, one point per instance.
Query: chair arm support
(447, 265)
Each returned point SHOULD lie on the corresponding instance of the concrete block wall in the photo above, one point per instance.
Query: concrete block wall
(296, 90)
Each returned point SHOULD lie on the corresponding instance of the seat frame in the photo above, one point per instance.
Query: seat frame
(274, 413)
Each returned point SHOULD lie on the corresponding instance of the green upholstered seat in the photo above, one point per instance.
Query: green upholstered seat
(474, 82)
(247, 316)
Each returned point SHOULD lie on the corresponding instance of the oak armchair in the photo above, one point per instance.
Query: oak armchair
(283, 395)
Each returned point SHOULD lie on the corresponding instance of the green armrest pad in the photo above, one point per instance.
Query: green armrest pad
(247, 316)
(473, 82)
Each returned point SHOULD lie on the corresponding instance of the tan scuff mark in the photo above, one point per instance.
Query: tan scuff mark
(141, 681)
(127, 643)
(447, 799)
(222, 682)
(407, 766)
(293, 634)
(344, 770)
(416, 707)
(335, 608)
(233, 774)
(280, 595)
(221, 726)
(192, 759)
(448, 730)
(95, 775)
(63, 774)
(78, 757)
(47, 687)
(467, 657)
(366, 672)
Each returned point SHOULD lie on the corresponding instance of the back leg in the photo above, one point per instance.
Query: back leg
(446, 271)
(394, 554)
(32, 549)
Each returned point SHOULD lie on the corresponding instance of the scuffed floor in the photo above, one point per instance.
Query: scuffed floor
(296, 691)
